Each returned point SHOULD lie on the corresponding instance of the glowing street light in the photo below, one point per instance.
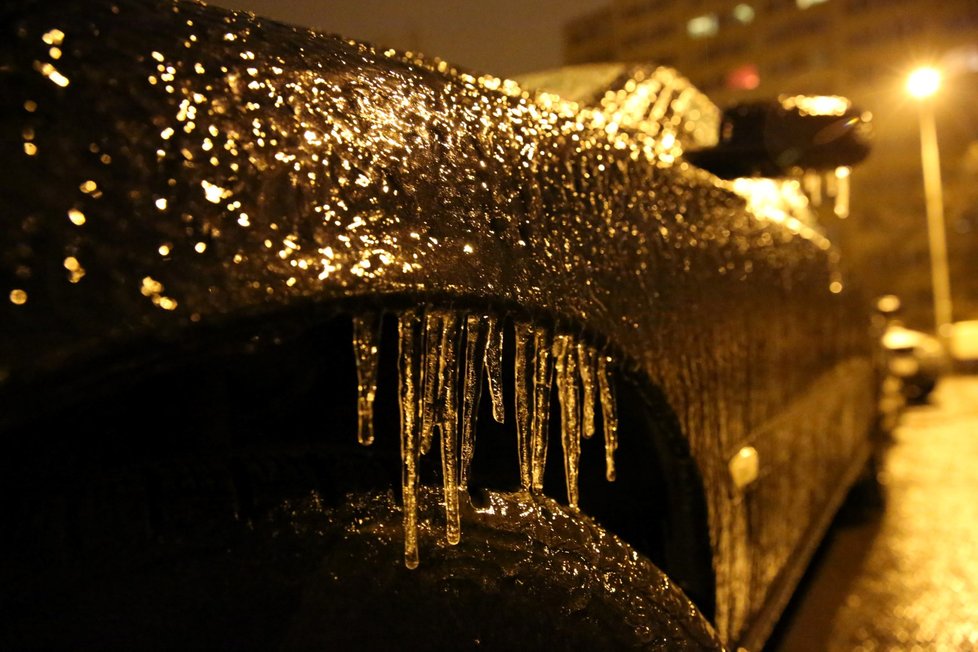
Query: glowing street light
(923, 84)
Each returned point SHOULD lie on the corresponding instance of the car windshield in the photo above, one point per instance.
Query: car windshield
(584, 84)
(653, 99)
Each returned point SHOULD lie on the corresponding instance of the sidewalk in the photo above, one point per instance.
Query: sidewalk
(906, 579)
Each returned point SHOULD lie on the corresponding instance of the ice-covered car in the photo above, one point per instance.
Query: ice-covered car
(310, 345)
(916, 359)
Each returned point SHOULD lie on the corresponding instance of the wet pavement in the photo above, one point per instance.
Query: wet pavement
(906, 577)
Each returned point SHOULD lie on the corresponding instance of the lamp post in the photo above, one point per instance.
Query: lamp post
(922, 84)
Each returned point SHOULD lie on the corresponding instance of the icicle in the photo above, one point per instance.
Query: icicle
(812, 184)
(587, 361)
(366, 344)
(542, 380)
(409, 368)
(842, 192)
(565, 364)
(609, 413)
(524, 397)
(829, 185)
(494, 368)
(430, 377)
(476, 332)
(448, 421)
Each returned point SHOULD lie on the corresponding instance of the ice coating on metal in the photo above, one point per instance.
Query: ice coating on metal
(366, 347)
(533, 542)
(180, 167)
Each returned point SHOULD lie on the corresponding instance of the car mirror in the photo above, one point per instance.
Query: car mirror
(777, 138)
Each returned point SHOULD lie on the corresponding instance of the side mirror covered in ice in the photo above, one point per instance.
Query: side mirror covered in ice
(776, 138)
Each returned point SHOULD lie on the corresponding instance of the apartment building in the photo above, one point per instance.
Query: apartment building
(744, 49)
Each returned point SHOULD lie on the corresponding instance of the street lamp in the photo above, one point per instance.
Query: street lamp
(922, 84)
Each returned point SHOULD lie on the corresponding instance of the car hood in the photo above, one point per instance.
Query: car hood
(222, 171)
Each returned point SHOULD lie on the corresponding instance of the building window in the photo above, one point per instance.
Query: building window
(805, 4)
(703, 26)
(744, 13)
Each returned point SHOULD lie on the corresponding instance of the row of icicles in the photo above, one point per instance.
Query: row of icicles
(437, 348)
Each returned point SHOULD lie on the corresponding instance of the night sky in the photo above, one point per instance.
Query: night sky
(502, 37)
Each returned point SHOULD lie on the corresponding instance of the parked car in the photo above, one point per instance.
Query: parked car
(597, 396)
(916, 359)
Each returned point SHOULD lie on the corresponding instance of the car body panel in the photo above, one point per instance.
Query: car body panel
(180, 167)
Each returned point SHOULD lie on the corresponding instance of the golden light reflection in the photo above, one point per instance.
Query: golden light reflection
(213, 192)
(53, 37)
(153, 289)
(77, 272)
(744, 467)
(817, 104)
(18, 297)
(49, 71)
(76, 217)
(150, 286)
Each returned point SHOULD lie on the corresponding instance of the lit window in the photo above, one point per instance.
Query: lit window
(744, 13)
(805, 4)
(703, 26)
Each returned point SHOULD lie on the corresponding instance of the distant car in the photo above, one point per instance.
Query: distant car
(916, 359)
(203, 211)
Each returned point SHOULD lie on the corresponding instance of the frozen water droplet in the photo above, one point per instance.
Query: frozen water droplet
(609, 414)
(494, 368)
(366, 346)
(409, 383)
(476, 333)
